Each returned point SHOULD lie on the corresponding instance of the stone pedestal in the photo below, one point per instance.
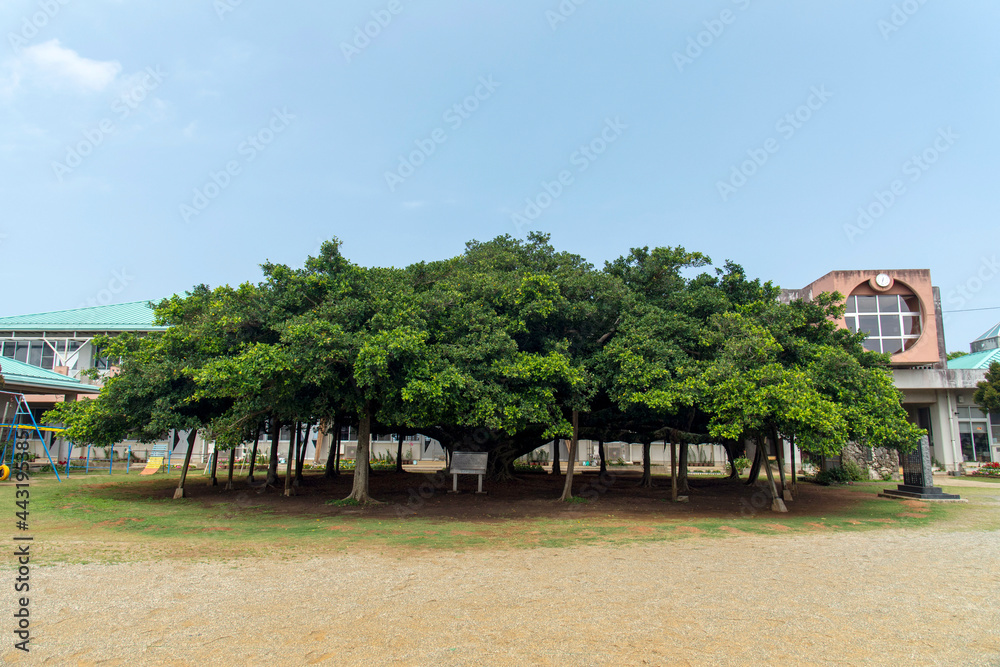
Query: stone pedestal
(918, 477)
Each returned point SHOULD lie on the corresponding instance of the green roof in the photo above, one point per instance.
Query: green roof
(132, 316)
(32, 378)
(976, 360)
(992, 333)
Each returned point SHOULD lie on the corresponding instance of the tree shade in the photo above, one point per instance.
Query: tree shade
(500, 349)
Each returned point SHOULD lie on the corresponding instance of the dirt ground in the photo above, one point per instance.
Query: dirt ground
(882, 596)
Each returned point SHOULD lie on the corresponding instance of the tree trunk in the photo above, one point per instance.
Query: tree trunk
(556, 468)
(500, 463)
(253, 457)
(777, 504)
(272, 464)
(600, 451)
(214, 479)
(399, 453)
(293, 443)
(647, 470)
(320, 437)
(180, 492)
(682, 468)
(567, 493)
(331, 468)
(300, 458)
(754, 468)
(778, 453)
(359, 490)
(232, 464)
(673, 469)
(734, 474)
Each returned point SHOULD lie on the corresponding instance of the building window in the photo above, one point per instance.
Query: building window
(45, 353)
(974, 435)
(892, 321)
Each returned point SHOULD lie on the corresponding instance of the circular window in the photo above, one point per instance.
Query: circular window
(892, 321)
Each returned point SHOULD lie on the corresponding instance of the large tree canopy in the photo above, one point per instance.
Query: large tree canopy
(512, 339)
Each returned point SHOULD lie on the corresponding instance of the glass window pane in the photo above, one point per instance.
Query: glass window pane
(74, 345)
(911, 304)
(852, 324)
(967, 454)
(888, 303)
(35, 353)
(8, 350)
(872, 345)
(982, 444)
(48, 357)
(892, 345)
(852, 305)
(21, 352)
(911, 325)
(964, 427)
(976, 413)
(869, 324)
(890, 325)
(866, 304)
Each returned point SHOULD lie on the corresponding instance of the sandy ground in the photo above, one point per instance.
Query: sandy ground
(880, 597)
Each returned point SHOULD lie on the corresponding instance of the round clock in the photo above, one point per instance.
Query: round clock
(883, 280)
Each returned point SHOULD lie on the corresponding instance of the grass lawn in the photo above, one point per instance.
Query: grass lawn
(97, 518)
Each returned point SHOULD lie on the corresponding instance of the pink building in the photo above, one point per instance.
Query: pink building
(900, 311)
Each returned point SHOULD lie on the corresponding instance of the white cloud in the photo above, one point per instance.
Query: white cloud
(55, 66)
(414, 204)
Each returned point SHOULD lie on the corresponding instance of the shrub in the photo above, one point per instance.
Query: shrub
(855, 472)
(845, 474)
(742, 463)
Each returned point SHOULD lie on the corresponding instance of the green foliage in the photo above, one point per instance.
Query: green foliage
(507, 339)
(956, 355)
(987, 395)
(742, 463)
(855, 472)
(844, 474)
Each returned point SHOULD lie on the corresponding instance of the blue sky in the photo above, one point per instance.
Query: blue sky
(149, 146)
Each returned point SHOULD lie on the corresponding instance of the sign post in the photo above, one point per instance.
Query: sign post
(468, 463)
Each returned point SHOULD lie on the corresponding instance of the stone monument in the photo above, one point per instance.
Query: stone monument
(918, 477)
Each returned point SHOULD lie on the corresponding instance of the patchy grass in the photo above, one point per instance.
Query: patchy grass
(98, 518)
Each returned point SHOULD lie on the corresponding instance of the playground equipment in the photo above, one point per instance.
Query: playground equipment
(17, 424)
(157, 456)
(98, 464)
